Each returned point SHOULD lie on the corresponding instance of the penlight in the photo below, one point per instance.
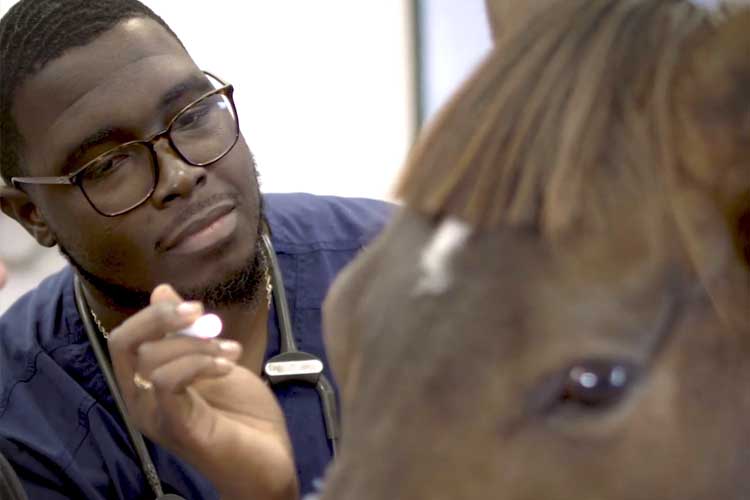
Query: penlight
(207, 326)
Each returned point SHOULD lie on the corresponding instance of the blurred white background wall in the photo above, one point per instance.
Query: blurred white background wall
(324, 90)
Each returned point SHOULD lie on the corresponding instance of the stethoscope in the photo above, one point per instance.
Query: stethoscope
(290, 365)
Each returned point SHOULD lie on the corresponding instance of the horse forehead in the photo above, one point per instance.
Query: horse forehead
(486, 287)
(418, 260)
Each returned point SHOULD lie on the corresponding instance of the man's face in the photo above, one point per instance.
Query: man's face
(127, 85)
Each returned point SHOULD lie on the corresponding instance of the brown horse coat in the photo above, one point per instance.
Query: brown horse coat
(562, 308)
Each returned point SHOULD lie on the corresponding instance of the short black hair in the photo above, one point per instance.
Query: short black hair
(33, 33)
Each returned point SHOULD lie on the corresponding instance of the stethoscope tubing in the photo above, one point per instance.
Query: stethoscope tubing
(323, 386)
(147, 465)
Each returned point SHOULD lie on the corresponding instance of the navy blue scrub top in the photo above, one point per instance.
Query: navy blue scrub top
(59, 426)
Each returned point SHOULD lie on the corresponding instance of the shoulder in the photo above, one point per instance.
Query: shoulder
(41, 314)
(39, 322)
(43, 409)
(305, 222)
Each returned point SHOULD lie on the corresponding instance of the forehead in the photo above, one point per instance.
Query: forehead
(118, 75)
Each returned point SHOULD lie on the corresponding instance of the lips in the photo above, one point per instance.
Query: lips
(199, 226)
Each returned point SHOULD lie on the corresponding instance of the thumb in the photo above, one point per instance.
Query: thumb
(165, 293)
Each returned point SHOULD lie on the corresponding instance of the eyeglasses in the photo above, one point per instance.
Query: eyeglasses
(125, 177)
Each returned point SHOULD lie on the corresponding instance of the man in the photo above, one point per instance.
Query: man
(118, 149)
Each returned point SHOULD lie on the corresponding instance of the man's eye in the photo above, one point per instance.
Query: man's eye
(107, 167)
(194, 117)
(597, 383)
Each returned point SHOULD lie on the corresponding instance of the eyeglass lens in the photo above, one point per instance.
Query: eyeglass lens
(126, 176)
(121, 179)
(206, 130)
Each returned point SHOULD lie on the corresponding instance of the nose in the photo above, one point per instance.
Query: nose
(177, 178)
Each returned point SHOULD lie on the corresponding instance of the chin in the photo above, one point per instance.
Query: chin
(236, 285)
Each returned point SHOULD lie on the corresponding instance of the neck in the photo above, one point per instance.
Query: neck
(246, 324)
(109, 314)
(249, 327)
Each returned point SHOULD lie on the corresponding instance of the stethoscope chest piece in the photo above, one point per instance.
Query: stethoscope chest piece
(293, 366)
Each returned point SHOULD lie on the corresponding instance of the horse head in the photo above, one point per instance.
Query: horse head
(561, 309)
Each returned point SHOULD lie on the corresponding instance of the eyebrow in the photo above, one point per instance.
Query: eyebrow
(169, 98)
(192, 83)
(101, 136)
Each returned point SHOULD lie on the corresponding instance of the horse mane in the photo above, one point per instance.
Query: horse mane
(596, 107)
(563, 118)
(506, 15)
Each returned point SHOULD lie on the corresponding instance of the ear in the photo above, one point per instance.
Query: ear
(19, 206)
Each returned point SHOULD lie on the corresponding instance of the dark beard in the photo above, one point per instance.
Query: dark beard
(123, 296)
(245, 286)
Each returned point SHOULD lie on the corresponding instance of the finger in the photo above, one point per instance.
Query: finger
(175, 409)
(153, 355)
(152, 323)
(167, 313)
(165, 293)
(174, 377)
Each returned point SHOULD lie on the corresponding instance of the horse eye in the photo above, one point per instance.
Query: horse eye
(597, 384)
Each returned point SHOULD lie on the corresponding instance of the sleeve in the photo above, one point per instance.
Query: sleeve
(37, 477)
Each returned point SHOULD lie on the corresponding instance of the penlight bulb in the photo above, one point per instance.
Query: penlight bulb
(207, 326)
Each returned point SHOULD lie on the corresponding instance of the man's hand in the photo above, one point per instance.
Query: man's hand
(197, 402)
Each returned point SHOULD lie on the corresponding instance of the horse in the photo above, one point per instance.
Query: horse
(561, 307)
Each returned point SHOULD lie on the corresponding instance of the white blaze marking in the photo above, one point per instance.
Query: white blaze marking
(435, 262)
